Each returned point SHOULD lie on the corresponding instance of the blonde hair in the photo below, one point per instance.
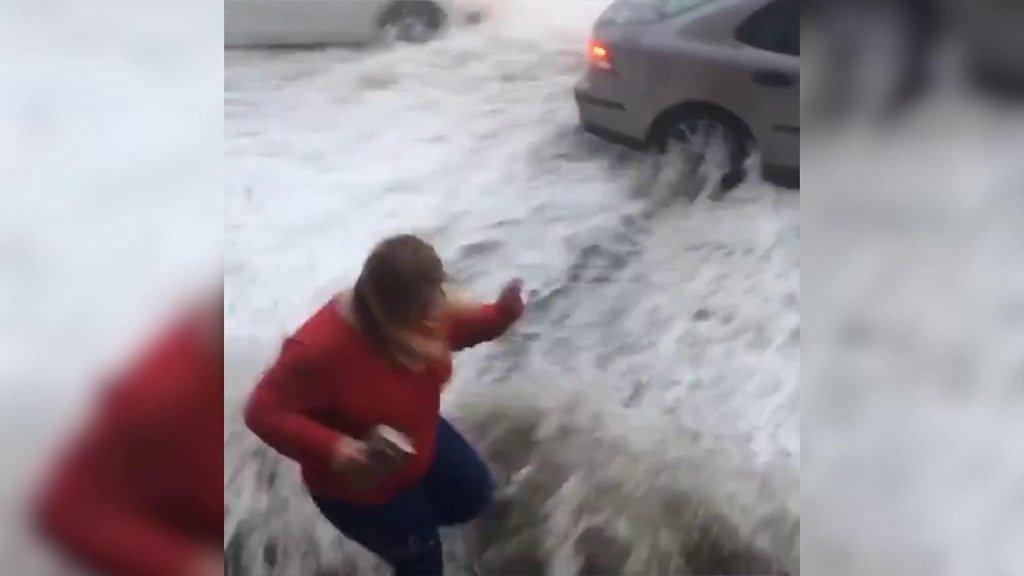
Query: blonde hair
(400, 280)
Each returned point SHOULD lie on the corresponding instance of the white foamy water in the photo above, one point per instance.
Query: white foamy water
(643, 417)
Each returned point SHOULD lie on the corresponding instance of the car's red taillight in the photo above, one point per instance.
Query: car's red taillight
(599, 55)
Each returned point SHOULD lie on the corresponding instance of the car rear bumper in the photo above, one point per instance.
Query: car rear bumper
(605, 116)
(588, 99)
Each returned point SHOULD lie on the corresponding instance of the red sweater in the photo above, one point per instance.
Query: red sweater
(329, 380)
(141, 491)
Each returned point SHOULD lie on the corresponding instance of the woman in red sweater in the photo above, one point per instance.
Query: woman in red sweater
(380, 355)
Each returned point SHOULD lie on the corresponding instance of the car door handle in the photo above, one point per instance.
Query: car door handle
(773, 79)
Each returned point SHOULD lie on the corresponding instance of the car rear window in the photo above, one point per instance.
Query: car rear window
(647, 11)
(774, 27)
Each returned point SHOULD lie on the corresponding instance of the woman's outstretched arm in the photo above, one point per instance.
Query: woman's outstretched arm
(470, 324)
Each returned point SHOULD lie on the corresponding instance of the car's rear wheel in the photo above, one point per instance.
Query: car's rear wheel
(415, 21)
(709, 145)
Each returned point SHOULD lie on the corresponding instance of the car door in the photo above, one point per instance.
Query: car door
(342, 21)
(300, 22)
(266, 22)
(769, 50)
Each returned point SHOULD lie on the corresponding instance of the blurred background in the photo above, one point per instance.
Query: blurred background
(111, 123)
(911, 218)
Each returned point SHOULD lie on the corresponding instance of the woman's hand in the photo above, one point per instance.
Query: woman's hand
(352, 463)
(470, 323)
(349, 454)
(511, 298)
(362, 465)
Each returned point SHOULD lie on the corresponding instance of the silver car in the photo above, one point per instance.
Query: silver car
(316, 22)
(694, 71)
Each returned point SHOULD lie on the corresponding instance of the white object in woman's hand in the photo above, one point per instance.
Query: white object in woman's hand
(389, 440)
(389, 449)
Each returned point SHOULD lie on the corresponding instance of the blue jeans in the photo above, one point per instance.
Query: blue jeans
(404, 530)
